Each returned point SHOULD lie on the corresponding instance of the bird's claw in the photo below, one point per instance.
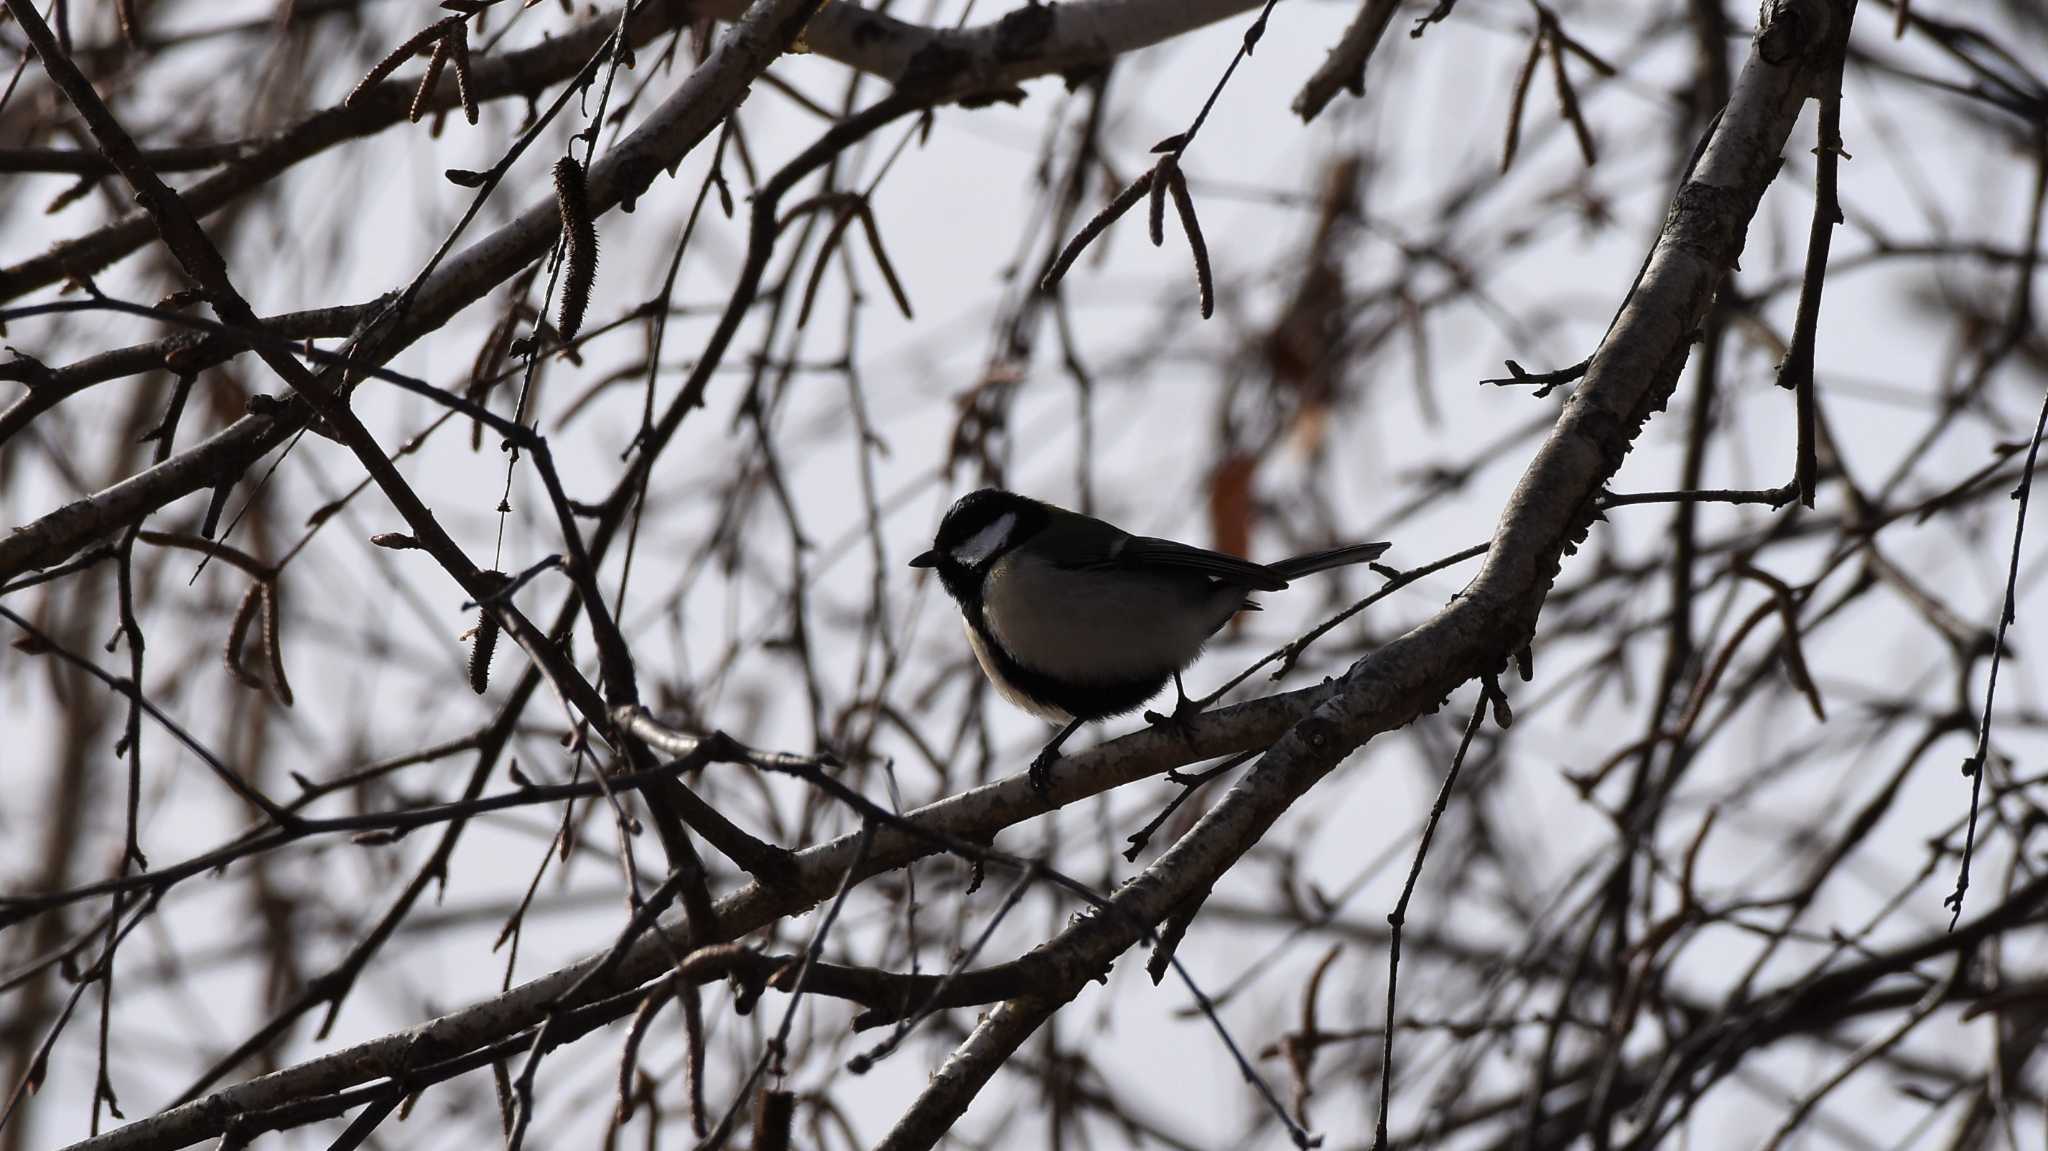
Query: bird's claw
(1040, 774)
(1184, 710)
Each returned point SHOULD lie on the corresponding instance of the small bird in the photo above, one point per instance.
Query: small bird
(1075, 620)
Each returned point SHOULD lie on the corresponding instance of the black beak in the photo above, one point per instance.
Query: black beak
(927, 560)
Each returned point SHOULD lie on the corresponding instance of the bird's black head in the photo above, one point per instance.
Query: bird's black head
(979, 529)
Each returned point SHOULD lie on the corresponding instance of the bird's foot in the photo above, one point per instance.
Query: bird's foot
(1184, 709)
(1040, 774)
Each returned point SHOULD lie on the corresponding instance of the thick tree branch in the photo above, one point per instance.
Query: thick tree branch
(1629, 378)
(1343, 70)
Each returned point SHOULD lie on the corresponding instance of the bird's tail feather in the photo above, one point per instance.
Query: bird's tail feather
(1324, 560)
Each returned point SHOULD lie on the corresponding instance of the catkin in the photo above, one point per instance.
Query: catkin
(773, 1111)
(458, 55)
(486, 637)
(390, 63)
(425, 93)
(238, 635)
(271, 612)
(579, 240)
(486, 642)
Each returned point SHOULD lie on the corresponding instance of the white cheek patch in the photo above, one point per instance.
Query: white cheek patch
(986, 542)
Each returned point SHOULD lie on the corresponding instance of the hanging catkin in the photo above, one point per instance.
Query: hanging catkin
(579, 238)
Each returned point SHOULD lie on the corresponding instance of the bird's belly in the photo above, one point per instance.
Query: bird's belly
(1006, 687)
(1101, 628)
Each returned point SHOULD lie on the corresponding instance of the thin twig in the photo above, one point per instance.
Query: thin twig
(1399, 916)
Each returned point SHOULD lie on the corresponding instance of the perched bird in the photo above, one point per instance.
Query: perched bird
(1075, 620)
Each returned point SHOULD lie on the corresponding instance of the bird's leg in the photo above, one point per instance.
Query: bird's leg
(1183, 707)
(1041, 766)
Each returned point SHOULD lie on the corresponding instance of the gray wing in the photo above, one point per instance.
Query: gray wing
(1149, 552)
(1079, 542)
